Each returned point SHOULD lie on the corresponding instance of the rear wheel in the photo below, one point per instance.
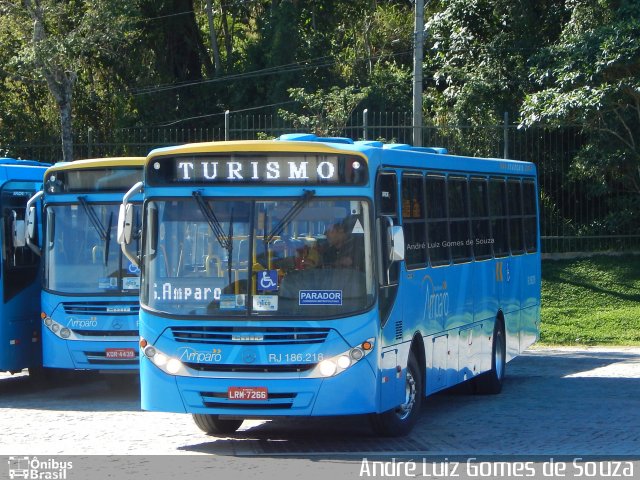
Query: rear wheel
(212, 424)
(400, 420)
(491, 382)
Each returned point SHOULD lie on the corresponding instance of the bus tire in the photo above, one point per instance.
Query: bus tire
(400, 420)
(490, 383)
(212, 424)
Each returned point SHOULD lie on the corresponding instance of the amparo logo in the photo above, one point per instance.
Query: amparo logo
(437, 300)
(188, 354)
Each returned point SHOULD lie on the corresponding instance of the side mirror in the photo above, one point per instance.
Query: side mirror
(18, 230)
(31, 224)
(51, 228)
(396, 246)
(31, 227)
(125, 224)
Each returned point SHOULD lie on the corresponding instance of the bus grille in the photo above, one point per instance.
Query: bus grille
(208, 367)
(100, 308)
(107, 333)
(277, 401)
(250, 336)
(100, 358)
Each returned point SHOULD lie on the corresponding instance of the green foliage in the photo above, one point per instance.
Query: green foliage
(324, 113)
(591, 78)
(478, 53)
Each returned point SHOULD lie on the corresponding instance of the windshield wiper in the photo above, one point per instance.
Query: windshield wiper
(104, 233)
(215, 225)
(291, 214)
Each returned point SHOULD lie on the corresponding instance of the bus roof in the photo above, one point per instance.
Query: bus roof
(98, 163)
(13, 161)
(374, 152)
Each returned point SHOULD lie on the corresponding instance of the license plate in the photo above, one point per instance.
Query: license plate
(120, 353)
(247, 393)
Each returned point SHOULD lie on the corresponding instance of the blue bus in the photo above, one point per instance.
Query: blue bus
(19, 283)
(321, 276)
(90, 290)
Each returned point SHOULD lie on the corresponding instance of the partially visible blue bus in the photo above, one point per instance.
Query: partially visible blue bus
(89, 290)
(321, 276)
(20, 345)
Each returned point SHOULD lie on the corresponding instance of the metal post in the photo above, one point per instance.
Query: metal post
(418, 37)
(506, 135)
(226, 125)
(89, 142)
(365, 123)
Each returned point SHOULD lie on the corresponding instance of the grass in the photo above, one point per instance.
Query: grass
(591, 301)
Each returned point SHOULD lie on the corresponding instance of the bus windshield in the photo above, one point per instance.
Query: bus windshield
(292, 257)
(82, 253)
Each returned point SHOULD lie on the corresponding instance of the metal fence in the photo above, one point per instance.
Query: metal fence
(573, 219)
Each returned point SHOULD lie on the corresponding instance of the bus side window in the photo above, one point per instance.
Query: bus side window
(514, 206)
(413, 220)
(499, 219)
(480, 224)
(388, 207)
(530, 220)
(437, 228)
(459, 219)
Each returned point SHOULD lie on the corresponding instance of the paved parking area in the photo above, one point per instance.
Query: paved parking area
(573, 402)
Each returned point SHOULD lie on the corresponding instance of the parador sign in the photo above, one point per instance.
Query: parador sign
(307, 169)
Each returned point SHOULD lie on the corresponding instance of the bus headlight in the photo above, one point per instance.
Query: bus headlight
(58, 330)
(164, 362)
(327, 368)
(174, 366)
(344, 362)
(339, 363)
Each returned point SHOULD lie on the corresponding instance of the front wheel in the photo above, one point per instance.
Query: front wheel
(491, 382)
(212, 424)
(400, 420)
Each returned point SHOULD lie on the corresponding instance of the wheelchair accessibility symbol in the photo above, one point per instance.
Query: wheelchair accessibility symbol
(268, 280)
(133, 269)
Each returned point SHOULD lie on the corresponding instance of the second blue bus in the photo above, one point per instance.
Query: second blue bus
(90, 290)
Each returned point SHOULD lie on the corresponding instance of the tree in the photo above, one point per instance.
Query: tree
(591, 78)
(65, 39)
(324, 113)
(478, 53)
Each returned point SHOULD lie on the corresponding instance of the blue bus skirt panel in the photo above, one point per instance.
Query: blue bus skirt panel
(350, 392)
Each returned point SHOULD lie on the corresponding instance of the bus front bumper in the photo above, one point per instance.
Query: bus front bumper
(351, 392)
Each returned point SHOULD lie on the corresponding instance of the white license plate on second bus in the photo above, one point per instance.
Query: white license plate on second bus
(247, 393)
(120, 353)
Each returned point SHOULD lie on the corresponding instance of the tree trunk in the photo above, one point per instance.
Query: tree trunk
(228, 41)
(214, 40)
(59, 80)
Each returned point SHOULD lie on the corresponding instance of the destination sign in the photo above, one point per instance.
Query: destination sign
(92, 180)
(278, 168)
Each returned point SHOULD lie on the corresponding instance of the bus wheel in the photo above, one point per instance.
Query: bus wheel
(212, 424)
(400, 420)
(491, 382)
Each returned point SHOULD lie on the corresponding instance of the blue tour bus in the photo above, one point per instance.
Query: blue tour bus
(320, 276)
(90, 290)
(19, 315)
